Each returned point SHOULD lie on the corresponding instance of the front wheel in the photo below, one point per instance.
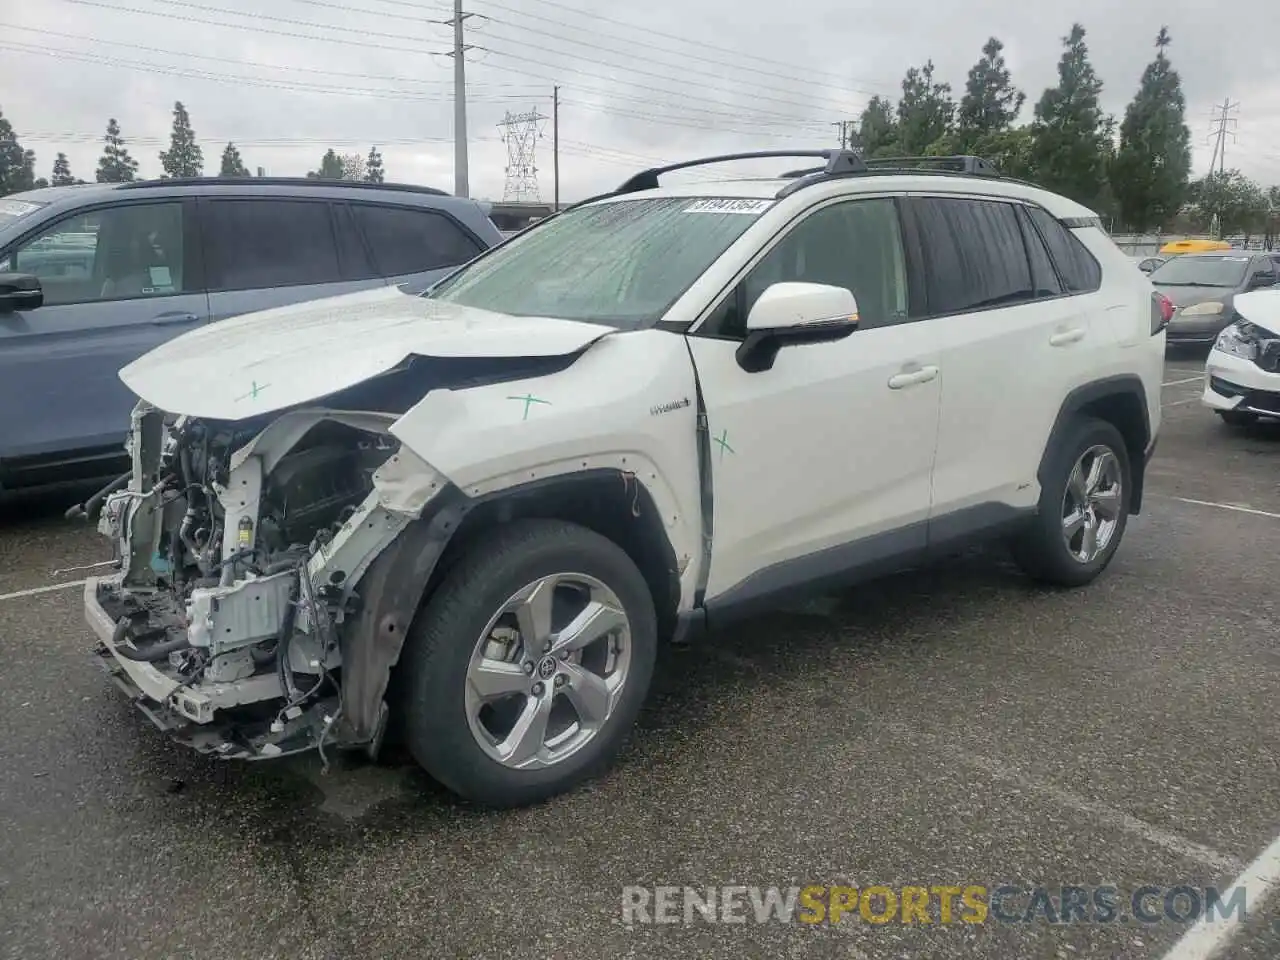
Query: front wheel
(528, 667)
(1083, 509)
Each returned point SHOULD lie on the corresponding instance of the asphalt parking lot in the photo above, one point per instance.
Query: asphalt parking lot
(948, 727)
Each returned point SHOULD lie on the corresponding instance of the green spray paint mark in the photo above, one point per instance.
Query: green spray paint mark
(253, 393)
(723, 440)
(529, 400)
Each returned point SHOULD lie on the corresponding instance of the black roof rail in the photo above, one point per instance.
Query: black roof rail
(283, 182)
(957, 163)
(837, 162)
(954, 166)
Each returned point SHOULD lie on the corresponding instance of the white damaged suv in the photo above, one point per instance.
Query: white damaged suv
(474, 514)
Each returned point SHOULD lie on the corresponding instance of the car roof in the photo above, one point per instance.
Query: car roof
(768, 188)
(74, 195)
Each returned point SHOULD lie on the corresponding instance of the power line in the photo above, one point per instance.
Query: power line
(738, 63)
(185, 54)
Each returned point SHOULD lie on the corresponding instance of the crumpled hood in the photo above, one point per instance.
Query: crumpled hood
(265, 361)
(1261, 307)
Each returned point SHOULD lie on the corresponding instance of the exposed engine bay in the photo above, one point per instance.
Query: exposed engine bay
(240, 550)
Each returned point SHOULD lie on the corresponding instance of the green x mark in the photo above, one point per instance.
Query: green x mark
(253, 393)
(529, 399)
(723, 440)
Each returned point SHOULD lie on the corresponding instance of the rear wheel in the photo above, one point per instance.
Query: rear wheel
(1238, 418)
(528, 667)
(1083, 509)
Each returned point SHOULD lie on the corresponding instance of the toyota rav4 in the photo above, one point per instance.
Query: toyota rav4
(473, 514)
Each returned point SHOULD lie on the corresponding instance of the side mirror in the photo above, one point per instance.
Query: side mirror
(20, 291)
(1262, 280)
(1146, 266)
(787, 314)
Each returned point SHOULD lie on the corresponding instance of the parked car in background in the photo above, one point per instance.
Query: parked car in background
(93, 276)
(1203, 286)
(1176, 248)
(1242, 374)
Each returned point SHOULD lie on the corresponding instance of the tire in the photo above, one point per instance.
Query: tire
(1044, 550)
(1235, 418)
(448, 727)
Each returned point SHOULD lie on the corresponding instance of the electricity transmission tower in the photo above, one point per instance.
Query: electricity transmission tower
(1223, 126)
(521, 133)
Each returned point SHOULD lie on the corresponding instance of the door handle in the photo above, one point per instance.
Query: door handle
(912, 377)
(1067, 336)
(164, 319)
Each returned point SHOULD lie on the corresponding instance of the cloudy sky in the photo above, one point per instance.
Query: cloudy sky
(664, 80)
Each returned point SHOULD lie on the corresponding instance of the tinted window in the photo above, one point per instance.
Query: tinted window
(352, 255)
(973, 253)
(1080, 272)
(1043, 279)
(114, 253)
(412, 241)
(855, 245)
(268, 243)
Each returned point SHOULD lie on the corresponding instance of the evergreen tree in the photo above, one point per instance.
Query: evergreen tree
(352, 166)
(877, 129)
(17, 166)
(330, 167)
(991, 102)
(40, 182)
(232, 165)
(373, 172)
(62, 172)
(184, 157)
(1152, 166)
(1072, 140)
(925, 112)
(115, 165)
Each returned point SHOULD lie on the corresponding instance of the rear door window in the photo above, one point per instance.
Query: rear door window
(1079, 270)
(252, 244)
(974, 255)
(406, 240)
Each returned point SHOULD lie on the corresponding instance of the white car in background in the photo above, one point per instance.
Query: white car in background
(1242, 374)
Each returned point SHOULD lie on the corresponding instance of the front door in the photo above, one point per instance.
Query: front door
(118, 281)
(822, 463)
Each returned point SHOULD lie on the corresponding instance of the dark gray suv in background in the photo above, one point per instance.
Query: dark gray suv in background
(117, 268)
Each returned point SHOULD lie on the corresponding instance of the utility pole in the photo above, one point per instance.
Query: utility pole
(460, 185)
(1223, 125)
(555, 144)
(845, 138)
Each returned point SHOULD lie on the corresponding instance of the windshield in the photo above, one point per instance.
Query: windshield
(622, 263)
(1187, 271)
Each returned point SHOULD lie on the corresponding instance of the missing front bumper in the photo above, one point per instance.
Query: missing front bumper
(230, 720)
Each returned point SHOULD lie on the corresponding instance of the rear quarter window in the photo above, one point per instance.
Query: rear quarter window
(1080, 272)
(405, 240)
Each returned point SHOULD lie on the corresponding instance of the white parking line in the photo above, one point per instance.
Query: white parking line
(1210, 503)
(33, 591)
(1208, 938)
(1174, 383)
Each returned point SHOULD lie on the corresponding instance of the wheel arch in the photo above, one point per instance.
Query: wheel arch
(1120, 401)
(403, 578)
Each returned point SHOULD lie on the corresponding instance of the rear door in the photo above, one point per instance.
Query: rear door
(413, 247)
(264, 252)
(1015, 339)
(118, 280)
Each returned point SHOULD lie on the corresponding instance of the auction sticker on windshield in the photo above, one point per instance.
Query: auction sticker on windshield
(17, 208)
(729, 205)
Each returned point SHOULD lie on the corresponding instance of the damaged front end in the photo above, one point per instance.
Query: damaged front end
(258, 608)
